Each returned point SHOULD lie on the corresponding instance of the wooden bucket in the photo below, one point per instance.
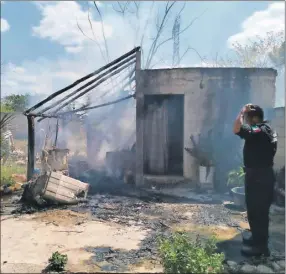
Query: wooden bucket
(63, 189)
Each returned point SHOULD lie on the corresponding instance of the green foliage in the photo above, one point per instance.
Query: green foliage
(7, 181)
(16, 102)
(7, 171)
(58, 262)
(236, 178)
(5, 108)
(179, 254)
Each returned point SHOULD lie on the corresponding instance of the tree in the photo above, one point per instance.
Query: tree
(262, 51)
(5, 108)
(5, 122)
(151, 46)
(277, 56)
(15, 102)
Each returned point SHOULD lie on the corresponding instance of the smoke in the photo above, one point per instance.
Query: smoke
(110, 129)
(113, 127)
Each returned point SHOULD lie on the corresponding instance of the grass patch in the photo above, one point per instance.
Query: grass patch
(181, 254)
(8, 170)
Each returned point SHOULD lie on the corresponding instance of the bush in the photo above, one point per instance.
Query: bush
(179, 254)
(57, 262)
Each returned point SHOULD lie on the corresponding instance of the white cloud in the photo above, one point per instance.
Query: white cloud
(47, 75)
(60, 22)
(261, 22)
(4, 25)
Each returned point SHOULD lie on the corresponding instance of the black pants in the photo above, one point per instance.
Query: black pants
(259, 192)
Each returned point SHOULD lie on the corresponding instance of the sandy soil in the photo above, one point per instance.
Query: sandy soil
(28, 241)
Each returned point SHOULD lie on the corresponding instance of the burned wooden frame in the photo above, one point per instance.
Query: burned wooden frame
(102, 74)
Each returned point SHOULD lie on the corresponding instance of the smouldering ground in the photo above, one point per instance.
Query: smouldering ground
(111, 233)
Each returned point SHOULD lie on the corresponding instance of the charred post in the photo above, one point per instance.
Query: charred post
(31, 147)
(57, 132)
(138, 59)
(139, 124)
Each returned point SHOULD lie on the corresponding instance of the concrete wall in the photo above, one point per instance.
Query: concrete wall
(213, 97)
(278, 122)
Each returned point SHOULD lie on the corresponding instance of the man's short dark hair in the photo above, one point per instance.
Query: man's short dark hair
(256, 111)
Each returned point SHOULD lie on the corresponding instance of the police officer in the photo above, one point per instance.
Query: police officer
(258, 155)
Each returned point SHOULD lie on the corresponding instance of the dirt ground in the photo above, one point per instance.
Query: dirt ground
(28, 241)
(126, 227)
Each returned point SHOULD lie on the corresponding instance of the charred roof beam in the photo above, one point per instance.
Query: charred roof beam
(59, 92)
(90, 88)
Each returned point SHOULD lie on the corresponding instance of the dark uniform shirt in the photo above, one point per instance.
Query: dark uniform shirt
(260, 145)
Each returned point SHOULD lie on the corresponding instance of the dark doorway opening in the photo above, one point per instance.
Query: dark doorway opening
(163, 134)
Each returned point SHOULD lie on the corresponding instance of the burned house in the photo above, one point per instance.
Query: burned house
(173, 104)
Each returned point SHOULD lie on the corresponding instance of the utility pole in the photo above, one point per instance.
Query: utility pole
(176, 41)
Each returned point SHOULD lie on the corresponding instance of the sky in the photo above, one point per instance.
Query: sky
(43, 50)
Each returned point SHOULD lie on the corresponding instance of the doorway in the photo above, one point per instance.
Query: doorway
(163, 134)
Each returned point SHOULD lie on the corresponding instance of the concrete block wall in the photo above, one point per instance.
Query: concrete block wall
(278, 123)
(213, 97)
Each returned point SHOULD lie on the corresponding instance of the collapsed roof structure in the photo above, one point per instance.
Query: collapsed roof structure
(53, 105)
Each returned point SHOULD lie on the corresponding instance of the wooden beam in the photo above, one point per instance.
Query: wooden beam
(92, 87)
(57, 132)
(59, 92)
(138, 60)
(98, 106)
(139, 125)
(60, 117)
(86, 85)
(31, 147)
(86, 108)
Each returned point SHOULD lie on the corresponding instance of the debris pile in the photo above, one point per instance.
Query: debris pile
(52, 186)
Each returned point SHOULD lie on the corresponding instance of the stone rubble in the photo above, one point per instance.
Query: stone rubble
(264, 266)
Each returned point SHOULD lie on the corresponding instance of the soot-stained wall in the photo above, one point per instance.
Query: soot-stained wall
(212, 99)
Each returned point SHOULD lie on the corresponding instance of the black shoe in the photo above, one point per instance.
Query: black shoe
(255, 251)
(247, 238)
